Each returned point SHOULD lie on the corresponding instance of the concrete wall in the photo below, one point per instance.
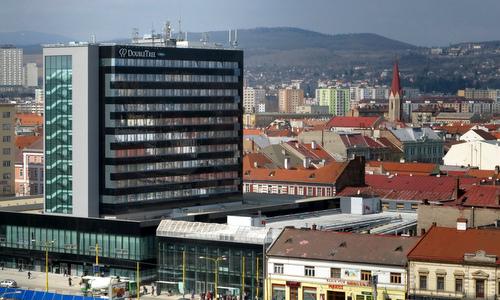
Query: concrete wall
(446, 216)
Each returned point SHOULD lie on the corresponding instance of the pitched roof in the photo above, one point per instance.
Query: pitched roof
(485, 135)
(352, 122)
(251, 131)
(29, 119)
(396, 84)
(23, 141)
(481, 196)
(358, 140)
(405, 168)
(345, 247)
(250, 159)
(324, 175)
(485, 174)
(450, 245)
(454, 128)
(412, 134)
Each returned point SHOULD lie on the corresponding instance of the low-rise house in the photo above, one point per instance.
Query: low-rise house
(457, 117)
(417, 144)
(455, 263)
(311, 264)
(481, 154)
(364, 125)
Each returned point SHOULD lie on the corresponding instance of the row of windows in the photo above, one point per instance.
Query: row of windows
(170, 92)
(458, 287)
(173, 165)
(123, 62)
(424, 150)
(175, 107)
(173, 179)
(170, 194)
(171, 78)
(172, 121)
(335, 273)
(73, 242)
(144, 182)
(288, 189)
(173, 150)
(140, 137)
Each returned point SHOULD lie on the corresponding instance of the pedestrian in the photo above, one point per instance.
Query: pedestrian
(144, 290)
(69, 281)
(29, 275)
(65, 273)
(152, 290)
(192, 295)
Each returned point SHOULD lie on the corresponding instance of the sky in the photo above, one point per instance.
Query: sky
(419, 22)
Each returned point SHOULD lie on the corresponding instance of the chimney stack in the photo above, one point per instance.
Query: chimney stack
(287, 163)
(462, 224)
(313, 145)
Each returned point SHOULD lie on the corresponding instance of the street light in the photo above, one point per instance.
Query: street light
(46, 244)
(216, 261)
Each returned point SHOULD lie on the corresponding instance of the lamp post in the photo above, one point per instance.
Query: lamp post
(216, 261)
(46, 245)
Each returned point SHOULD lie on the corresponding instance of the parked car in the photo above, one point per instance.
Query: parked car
(8, 283)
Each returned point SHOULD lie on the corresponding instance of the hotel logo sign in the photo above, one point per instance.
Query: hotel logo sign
(124, 52)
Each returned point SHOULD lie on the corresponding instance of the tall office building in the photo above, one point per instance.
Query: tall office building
(289, 99)
(338, 100)
(136, 129)
(11, 66)
(395, 96)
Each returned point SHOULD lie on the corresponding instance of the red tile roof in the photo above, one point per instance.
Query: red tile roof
(324, 175)
(252, 131)
(23, 141)
(359, 140)
(484, 174)
(481, 196)
(485, 135)
(29, 119)
(405, 168)
(454, 128)
(352, 122)
(250, 159)
(450, 245)
(319, 152)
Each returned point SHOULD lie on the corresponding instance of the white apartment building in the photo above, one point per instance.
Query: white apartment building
(11, 66)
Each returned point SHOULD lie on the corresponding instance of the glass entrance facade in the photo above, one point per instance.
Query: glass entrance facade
(58, 134)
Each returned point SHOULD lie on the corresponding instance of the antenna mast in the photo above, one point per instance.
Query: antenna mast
(135, 35)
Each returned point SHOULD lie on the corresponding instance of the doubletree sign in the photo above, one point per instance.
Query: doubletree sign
(124, 52)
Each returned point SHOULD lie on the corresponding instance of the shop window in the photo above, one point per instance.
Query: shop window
(395, 277)
(309, 271)
(366, 275)
(308, 293)
(278, 292)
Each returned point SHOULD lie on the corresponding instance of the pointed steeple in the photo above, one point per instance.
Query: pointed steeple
(396, 84)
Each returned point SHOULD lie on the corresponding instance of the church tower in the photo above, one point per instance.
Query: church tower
(395, 96)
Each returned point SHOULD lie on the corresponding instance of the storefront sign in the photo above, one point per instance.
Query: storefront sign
(293, 283)
(336, 286)
(335, 281)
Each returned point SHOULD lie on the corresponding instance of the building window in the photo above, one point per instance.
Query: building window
(440, 283)
(6, 138)
(309, 271)
(278, 292)
(459, 285)
(6, 114)
(278, 268)
(400, 206)
(422, 280)
(334, 272)
(6, 175)
(479, 288)
(6, 163)
(6, 126)
(366, 275)
(309, 293)
(395, 277)
(385, 206)
(6, 151)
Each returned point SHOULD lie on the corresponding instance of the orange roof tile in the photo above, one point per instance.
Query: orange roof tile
(352, 122)
(405, 168)
(252, 132)
(23, 141)
(450, 245)
(29, 119)
(485, 174)
(250, 159)
(481, 196)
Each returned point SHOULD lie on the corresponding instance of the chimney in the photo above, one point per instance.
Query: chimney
(307, 162)
(457, 187)
(461, 224)
(313, 145)
(314, 227)
(255, 164)
(287, 163)
(402, 160)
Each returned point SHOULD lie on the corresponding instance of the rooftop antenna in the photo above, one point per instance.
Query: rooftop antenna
(152, 34)
(230, 38)
(235, 42)
(135, 35)
(180, 29)
(92, 38)
(167, 32)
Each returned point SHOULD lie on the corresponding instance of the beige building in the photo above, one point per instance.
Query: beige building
(455, 263)
(7, 115)
(289, 99)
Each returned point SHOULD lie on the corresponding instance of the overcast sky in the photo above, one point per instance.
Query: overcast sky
(420, 22)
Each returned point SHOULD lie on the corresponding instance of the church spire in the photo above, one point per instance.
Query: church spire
(396, 83)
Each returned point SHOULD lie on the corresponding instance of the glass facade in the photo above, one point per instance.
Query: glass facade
(58, 134)
(198, 260)
(171, 126)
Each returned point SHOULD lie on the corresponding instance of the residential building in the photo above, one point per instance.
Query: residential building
(364, 125)
(462, 117)
(11, 66)
(312, 109)
(312, 264)
(253, 99)
(395, 96)
(169, 131)
(338, 100)
(401, 168)
(314, 182)
(484, 155)
(7, 156)
(236, 249)
(455, 263)
(471, 93)
(31, 75)
(417, 144)
(477, 135)
(289, 99)
(29, 169)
